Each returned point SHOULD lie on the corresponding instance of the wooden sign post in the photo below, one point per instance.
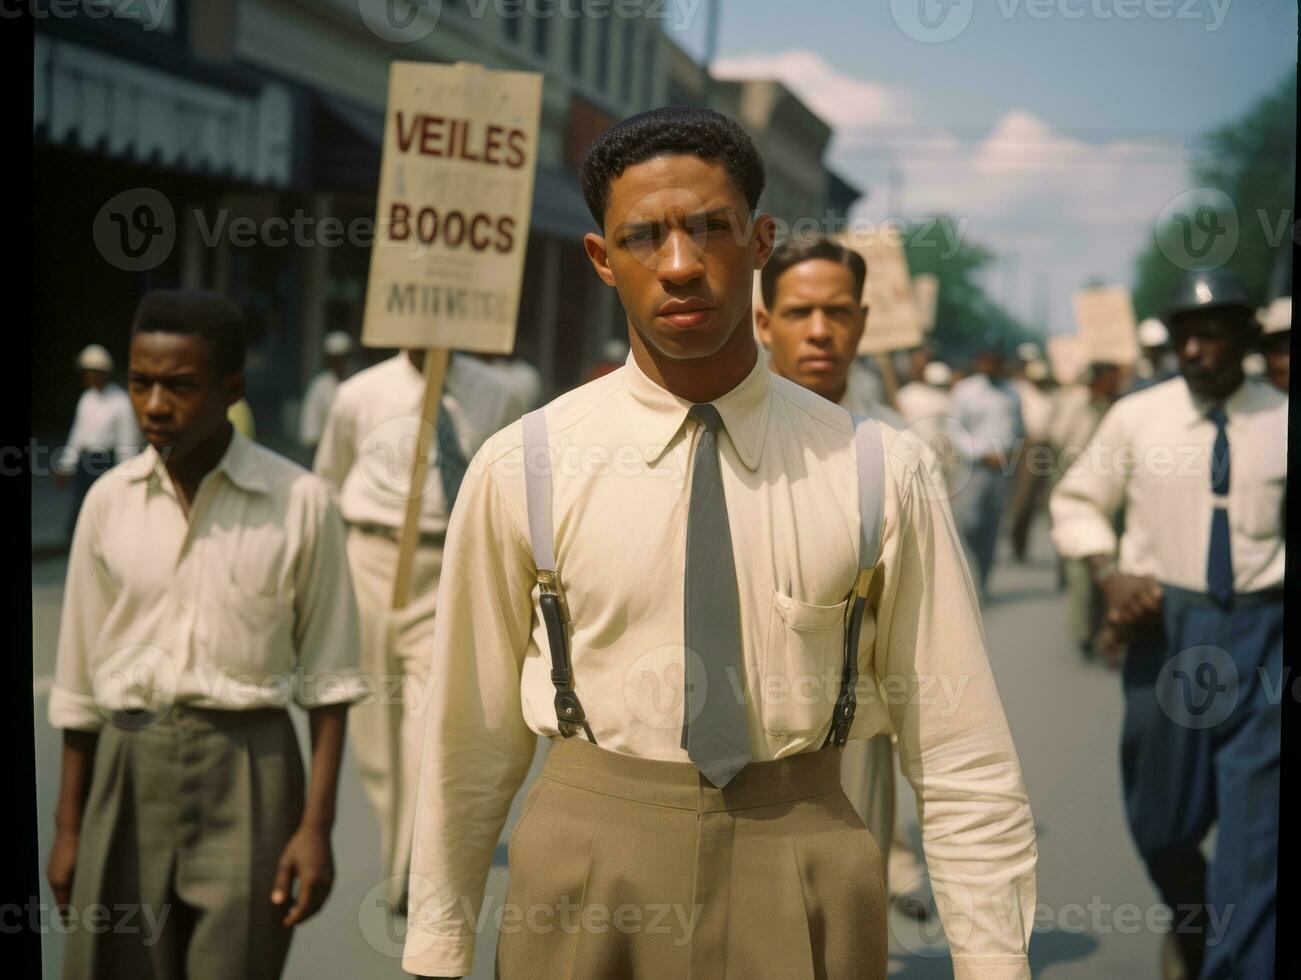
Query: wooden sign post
(452, 222)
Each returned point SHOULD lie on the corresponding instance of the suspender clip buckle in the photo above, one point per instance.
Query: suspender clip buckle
(549, 585)
(843, 718)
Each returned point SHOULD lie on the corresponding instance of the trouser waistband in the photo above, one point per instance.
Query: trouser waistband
(577, 762)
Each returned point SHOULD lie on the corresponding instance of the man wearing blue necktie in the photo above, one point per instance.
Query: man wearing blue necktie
(1199, 462)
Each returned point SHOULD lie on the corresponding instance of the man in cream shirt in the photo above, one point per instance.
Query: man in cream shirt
(207, 589)
(721, 801)
(1199, 464)
(365, 456)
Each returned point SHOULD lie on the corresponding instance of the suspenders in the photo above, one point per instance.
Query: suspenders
(570, 716)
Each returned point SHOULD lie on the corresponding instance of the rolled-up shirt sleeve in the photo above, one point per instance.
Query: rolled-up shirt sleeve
(477, 745)
(1083, 505)
(327, 632)
(955, 746)
(87, 599)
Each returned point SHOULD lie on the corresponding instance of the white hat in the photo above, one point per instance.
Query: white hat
(937, 373)
(1253, 365)
(1036, 371)
(615, 350)
(1152, 333)
(1027, 352)
(1277, 317)
(336, 343)
(95, 358)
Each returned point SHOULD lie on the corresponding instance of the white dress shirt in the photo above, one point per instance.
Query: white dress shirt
(621, 458)
(986, 417)
(245, 604)
(366, 451)
(1036, 408)
(1152, 455)
(104, 420)
(316, 407)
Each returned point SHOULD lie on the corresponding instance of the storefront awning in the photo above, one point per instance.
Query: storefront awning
(105, 104)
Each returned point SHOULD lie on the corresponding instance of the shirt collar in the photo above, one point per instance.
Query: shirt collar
(1234, 405)
(239, 463)
(657, 414)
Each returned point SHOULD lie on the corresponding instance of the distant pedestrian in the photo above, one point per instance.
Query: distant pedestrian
(1276, 342)
(336, 346)
(1200, 465)
(1157, 361)
(987, 424)
(104, 431)
(1033, 390)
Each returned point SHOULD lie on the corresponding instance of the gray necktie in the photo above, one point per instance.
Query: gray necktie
(714, 730)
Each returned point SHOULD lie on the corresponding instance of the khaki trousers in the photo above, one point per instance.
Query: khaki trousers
(624, 868)
(386, 727)
(183, 827)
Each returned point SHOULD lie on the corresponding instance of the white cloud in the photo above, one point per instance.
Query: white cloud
(1059, 210)
(842, 100)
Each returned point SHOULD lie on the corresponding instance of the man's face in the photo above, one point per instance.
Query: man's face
(1277, 349)
(1210, 350)
(988, 363)
(814, 326)
(94, 379)
(179, 399)
(681, 249)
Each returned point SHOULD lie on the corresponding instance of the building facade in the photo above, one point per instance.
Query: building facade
(235, 145)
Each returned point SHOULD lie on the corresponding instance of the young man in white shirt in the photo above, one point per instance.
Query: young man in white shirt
(365, 458)
(1199, 464)
(207, 589)
(696, 558)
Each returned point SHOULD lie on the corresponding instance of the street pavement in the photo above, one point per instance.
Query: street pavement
(1096, 910)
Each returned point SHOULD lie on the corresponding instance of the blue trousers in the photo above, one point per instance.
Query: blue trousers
(1201, 742)
(978, 508)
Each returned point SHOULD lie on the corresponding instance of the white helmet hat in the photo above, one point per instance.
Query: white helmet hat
(1027, 352)
(1152, 333)
(337, 343)
(615, 350)
(1277, 317)
(937, 373)
(1036, 371)
(95, 358)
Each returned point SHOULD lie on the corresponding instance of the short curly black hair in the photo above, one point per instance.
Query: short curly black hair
(703, 133)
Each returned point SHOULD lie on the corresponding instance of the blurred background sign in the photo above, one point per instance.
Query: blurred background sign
(1068, 357)
(893, 320)
(1104, 316)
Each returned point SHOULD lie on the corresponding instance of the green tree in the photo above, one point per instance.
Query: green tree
(1244, 172)
(965, 313)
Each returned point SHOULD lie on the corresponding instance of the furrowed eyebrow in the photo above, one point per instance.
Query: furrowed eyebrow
(632, 228)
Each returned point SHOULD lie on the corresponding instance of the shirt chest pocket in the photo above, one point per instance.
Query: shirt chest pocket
(802, 665)
(252, 617)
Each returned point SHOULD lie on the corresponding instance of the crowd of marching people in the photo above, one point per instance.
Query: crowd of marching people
(1162, 481)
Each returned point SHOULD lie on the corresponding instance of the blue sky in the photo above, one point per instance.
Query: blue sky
(1057, 130)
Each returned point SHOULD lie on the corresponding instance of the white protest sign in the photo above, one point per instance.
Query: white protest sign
(1104, 316)
(455, 196)
(893, 320)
